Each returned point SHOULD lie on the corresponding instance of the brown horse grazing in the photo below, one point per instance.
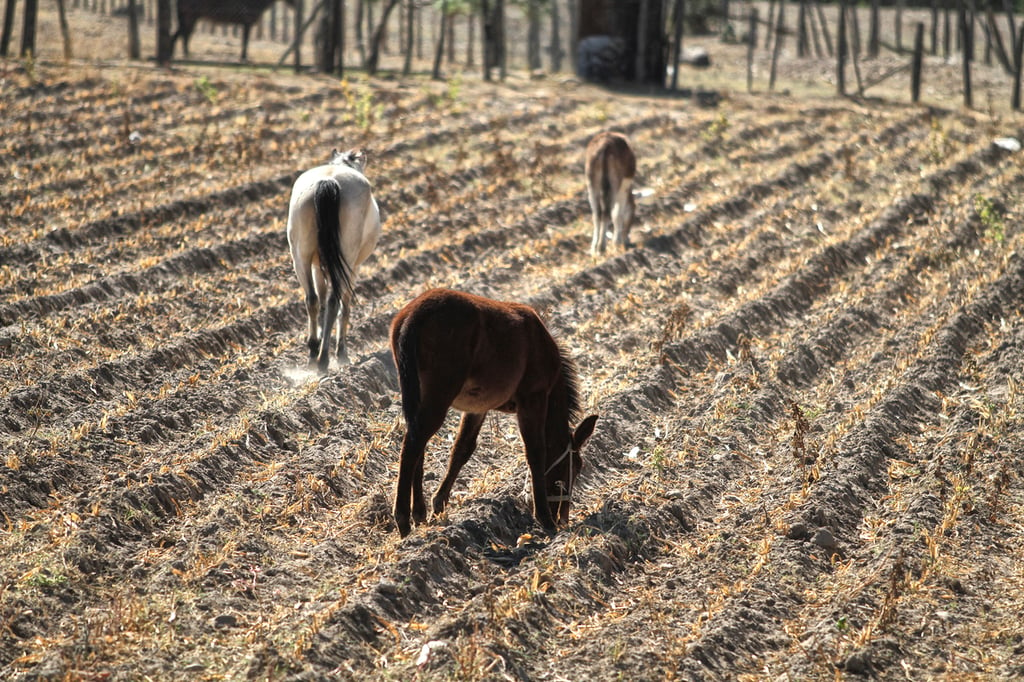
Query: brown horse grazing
(464, 351)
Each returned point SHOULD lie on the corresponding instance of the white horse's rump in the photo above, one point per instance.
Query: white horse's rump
(610, 167)
(333, 226)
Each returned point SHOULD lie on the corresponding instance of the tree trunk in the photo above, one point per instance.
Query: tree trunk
(533, 35)
(134, 47)
(378, 36)
(555, 51)
(65, 31)
(410, 35)
(487, 54)
(677, 49)
(5, 37)
(641, 44)
(436, 72)
(360, 43)
(28, 29)
(163, 32)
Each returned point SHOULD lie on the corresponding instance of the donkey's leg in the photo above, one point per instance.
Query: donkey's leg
(619, 209)
(597, 241)
(531, 414)
(346, 313)
(330, 315)
(465, 444)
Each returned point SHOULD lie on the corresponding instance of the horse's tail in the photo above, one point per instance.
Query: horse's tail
(327, 206)
(405, 346)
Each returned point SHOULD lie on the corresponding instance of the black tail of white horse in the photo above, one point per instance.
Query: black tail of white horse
(327, 205)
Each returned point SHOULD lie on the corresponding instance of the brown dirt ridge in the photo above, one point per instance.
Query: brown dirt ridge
(808, 370)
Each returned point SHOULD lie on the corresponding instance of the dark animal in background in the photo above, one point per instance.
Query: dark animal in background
(610, 167)
(244, 12)
(458, 350)
(333, 226)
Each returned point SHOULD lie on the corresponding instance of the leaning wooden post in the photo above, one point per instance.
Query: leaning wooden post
(751, 46)
(915, 67)
(1018, 62)
(824, 27)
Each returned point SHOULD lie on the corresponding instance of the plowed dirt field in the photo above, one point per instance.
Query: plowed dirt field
(808, 371)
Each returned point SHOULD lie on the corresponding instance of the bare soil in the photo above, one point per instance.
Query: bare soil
(808, 370)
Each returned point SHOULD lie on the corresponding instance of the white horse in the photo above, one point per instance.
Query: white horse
(333, 226)
(610, 167)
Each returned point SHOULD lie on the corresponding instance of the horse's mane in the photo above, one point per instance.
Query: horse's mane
(572, 387)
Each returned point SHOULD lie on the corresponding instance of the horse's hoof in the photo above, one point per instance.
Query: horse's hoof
(403, 527)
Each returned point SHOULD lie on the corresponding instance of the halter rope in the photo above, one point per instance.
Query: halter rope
(563, 497)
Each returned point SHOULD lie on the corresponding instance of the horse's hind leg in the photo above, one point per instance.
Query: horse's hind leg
(597, 241)
(465, 444)
(346, 313)
(330, 315)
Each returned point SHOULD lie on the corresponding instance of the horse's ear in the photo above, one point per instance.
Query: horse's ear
(358, 158)
(583, 432)
(336, 156)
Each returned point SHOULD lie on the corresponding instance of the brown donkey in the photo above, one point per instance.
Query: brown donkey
(468, 352)
(610, 167)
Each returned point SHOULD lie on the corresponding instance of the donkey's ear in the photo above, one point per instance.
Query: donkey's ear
(583, 432)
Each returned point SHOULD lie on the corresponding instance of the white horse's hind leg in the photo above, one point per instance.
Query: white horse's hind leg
(330, 315)
(346, 311)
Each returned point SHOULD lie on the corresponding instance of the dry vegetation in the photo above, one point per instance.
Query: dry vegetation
(808, 370)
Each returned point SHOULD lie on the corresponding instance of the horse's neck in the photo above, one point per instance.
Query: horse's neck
(557, 425)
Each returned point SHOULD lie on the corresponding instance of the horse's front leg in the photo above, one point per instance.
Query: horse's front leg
(465, 444)
(531, 414)
(346, 314)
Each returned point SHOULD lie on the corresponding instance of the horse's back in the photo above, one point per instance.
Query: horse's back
(613, 148)
(358, 213)
(492, 350)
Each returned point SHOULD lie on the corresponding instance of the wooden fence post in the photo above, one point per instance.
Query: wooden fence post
(915, 68)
